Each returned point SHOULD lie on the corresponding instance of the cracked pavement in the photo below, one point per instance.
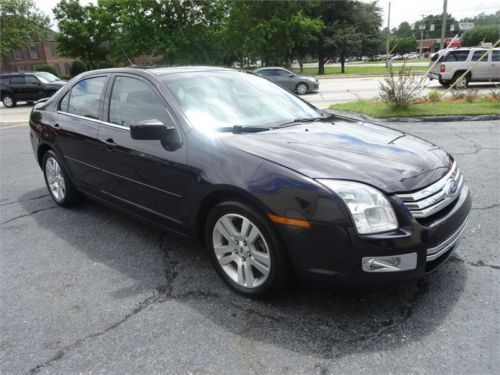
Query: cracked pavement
(89, 290)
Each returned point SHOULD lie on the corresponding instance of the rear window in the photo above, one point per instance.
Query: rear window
(457, 56)
(17, 80)
(477, 55)
(495, 55)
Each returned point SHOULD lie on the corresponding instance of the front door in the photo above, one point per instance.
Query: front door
(33, 89)
(143, 175)
(494, 71)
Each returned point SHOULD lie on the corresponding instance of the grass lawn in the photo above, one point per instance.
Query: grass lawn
(377, 109)
(360, 69)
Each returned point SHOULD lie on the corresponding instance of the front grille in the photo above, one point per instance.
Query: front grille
(434, 198)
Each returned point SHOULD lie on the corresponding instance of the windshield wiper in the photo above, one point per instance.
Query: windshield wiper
(301, 120)
(238, 129)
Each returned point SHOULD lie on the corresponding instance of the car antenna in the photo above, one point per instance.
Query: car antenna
(129, 61)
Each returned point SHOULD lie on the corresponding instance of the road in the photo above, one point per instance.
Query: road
(331, 90)
(339, 90)
(88, 290)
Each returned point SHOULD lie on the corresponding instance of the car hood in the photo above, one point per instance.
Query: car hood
(387, 159)
(56, 84)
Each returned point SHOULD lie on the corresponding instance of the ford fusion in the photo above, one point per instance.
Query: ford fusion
(271, 186)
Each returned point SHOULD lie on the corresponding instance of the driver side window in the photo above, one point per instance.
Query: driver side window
(133, 100)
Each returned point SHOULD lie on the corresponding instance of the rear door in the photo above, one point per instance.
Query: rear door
(482, 68)
(143, 175)
(77, 126)
(494, 66)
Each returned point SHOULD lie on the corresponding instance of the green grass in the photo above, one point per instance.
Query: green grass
(377, 109)
(360, 69)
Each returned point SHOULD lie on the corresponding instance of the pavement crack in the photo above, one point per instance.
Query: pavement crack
(479, 263)
(24, 200)
(61, 353)
(494, 205)
(27, 214)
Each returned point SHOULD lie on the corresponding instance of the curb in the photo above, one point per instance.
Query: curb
(363, 117)
(368, 75)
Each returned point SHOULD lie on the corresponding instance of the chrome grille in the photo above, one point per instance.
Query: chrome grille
(434, 198)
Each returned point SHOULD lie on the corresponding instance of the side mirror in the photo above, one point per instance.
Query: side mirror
(155, 130)
(291, 75)
(148, 130)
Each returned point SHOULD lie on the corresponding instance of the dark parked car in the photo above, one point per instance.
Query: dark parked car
(27, 87)
(299, 83)
(269, 184)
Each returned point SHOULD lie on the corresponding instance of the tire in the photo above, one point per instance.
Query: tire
(59, 185)
(254, 264)
(444, 83)
(8, 100)
(465, 80)
(301, 88)
(30, 103)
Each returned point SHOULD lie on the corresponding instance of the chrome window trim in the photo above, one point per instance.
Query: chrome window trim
(95, 120)
(435, 187)
(435, 252)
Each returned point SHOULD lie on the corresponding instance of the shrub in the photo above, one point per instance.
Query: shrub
(434, 96)
(400, 89)
(77, 67)
(471, 95)
(46, 68)
(457, 93)
(495, 94)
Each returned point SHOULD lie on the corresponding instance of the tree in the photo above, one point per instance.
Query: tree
(361, 21)
(21, 23)
(404, 30)
(432, 25)
(83, 32)
(488, 33)
(403, 45)
(46, 68)
(77, 67)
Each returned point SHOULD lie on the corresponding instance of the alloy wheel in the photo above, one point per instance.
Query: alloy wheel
(55, 179)
(301, 88)
(241, 250)
(7, 101)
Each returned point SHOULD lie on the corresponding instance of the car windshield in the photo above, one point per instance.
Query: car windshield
(46, 77)
(213, 100)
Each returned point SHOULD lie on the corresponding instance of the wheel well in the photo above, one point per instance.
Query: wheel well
(458, 73)
(41, 152)
(209, 202)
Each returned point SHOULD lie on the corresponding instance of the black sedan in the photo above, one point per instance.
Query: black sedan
(271, 186)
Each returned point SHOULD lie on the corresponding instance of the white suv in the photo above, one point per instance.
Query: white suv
(454, 63)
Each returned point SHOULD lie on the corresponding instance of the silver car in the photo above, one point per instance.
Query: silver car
(299, 83)
(454, 63)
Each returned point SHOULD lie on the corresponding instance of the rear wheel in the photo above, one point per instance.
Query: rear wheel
(301, 88)
(8, 101)
(444, 83)
(246, 251)
(461, 82)
(60, 187)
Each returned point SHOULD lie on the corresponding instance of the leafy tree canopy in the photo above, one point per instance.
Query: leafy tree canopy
(20, 24)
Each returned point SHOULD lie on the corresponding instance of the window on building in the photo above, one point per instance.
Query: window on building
(57, 69)
(53, 50)
(17, 54)
(33, 52)
(67, 69)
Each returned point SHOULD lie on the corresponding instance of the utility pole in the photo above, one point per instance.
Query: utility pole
(388, 36)
(443, 24)
(422, 28)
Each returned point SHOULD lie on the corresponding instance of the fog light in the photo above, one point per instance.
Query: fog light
(391, 263)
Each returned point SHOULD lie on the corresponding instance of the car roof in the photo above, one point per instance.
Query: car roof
(20, 73)
(156, 71)
(271, 67)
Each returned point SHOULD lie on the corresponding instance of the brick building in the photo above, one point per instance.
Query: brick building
(26, 59)
(432, 45)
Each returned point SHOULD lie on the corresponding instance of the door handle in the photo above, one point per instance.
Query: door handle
(110, 143)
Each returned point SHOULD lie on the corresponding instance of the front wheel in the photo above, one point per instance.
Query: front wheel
(60, 187)
(9, 101)
(246, 251)
(301, 88)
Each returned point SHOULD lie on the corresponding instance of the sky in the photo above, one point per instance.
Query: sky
(401, 10)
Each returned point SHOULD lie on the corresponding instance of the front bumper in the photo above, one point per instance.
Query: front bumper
(337, 253)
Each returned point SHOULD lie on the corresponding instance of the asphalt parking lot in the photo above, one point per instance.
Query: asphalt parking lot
(88, 290)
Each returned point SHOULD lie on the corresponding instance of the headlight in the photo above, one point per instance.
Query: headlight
(370, 209)
(312, 79)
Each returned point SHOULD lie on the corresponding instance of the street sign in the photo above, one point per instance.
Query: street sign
(466, 25)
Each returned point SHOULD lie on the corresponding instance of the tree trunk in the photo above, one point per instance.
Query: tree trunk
(342, 64)
(321, 66)
(301, 64)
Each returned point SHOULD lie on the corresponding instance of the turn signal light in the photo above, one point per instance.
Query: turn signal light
(289, 221)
